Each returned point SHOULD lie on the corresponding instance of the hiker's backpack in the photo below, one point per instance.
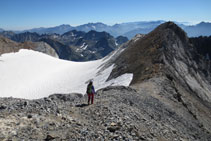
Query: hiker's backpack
(89, 89)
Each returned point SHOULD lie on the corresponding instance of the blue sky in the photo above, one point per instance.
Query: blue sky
(25, 14)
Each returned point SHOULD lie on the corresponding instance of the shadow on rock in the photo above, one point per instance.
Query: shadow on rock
(81, 105)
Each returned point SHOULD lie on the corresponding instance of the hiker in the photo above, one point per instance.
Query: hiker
(90, 91)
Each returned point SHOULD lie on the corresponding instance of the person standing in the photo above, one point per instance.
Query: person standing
(90, 92)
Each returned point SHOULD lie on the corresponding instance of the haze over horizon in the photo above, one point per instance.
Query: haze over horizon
(27, 14)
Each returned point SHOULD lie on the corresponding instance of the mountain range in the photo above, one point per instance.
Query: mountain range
(129, 29)
(165, 92)
(73, 45)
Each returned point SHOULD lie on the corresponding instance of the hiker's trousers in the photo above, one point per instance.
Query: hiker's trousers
(91, 97)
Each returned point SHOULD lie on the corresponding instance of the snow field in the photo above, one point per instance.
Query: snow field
(32, 75)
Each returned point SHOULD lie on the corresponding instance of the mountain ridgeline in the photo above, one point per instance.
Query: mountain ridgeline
(179, 67)
(129, 29)
(73, 45)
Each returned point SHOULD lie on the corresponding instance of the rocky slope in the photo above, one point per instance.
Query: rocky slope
(7, 46)
(119, 113)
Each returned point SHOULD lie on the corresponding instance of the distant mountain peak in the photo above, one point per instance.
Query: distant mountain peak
(64, 25)
(97, 23)
(203, 23)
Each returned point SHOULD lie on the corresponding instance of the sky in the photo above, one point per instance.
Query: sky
(26, 14)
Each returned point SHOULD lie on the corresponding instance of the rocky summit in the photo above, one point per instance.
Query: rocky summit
(168, 99)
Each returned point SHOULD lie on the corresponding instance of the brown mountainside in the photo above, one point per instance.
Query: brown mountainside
(7, 46)
(168, 66)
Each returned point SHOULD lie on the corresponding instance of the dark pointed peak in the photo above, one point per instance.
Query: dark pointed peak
(171, 26)
(168, 28)
(168, 24)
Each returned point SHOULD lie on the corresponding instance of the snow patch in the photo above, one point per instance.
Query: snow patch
(93, 27)
(72, 34)
(116, 43)
(84, 46)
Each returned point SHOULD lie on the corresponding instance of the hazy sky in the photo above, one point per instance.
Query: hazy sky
(25, 14)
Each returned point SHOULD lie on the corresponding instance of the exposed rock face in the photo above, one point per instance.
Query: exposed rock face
(44, 47)
(63, 51)
(118, 113)
(7, 46)
(27, 36)
(203, 46)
